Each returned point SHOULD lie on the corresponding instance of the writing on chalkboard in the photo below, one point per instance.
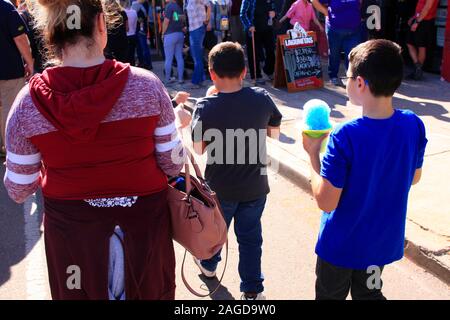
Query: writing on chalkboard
(293, 43)
(300, 62)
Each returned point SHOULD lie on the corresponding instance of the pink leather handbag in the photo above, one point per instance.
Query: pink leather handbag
(197, 220)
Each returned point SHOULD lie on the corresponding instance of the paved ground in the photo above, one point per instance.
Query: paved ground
(290, 225)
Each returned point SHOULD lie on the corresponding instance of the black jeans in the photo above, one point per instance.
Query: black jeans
(334, 283)
(265, 51)
(132, 44)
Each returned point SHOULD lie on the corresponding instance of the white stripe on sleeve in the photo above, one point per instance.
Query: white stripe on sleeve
(23, 159)
(167, 146)
(162, 131)
(22, 178)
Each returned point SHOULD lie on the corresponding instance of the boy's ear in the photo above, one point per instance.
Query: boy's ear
(212, 74)
(244, 73)
(360, 82)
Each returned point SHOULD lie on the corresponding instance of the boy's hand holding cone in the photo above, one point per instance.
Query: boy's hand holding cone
(316, 125)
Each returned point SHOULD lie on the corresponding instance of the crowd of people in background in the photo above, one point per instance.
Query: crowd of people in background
(185, 31)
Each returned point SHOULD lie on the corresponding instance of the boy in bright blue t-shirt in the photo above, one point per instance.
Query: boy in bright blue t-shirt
(363, 181)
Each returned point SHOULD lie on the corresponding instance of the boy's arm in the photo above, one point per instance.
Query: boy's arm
(423, 141)
(273, 127)
(273, 132)
(327, 196)
(417, 176)
(198, 130)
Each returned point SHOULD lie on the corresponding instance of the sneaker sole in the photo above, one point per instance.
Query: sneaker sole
(206, 273)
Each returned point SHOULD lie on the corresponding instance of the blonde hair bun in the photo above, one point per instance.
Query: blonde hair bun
(53, 3)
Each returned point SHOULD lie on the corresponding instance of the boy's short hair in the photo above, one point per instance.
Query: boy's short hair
(379, 62)
(227, 59)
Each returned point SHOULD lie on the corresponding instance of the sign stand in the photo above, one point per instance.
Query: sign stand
(297, 63)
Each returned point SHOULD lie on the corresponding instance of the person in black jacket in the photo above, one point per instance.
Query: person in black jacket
(34, 37)
(257, 16)
(117, 47)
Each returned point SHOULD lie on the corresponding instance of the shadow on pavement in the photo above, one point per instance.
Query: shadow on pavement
(431, 87)
(222, 292)
(13, 245)
(423, 108)
(298, 99)
(285, 139)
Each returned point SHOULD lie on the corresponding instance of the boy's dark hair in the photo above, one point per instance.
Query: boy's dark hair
(227, 59)
(380, 63)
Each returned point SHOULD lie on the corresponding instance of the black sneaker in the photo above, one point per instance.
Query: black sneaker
(418, 74)
(258, 296)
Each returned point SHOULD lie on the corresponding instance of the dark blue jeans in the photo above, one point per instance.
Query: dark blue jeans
(340, 40)
(196, 38)
(247, 226)
(143, 50)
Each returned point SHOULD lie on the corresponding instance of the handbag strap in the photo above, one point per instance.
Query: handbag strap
(220, 280)
(197, 170)
(188, 192)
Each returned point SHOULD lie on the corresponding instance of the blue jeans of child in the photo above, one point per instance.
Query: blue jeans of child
(144, 56)
(247, 226)
(340, 40)
(196, 38)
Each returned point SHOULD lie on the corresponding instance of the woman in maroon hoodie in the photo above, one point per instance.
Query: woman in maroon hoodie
(99, 137)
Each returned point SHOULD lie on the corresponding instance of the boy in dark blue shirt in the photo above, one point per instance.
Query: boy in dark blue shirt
(232, 126)
(363, 182)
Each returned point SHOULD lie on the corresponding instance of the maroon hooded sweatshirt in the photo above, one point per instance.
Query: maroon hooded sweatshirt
(87, 158)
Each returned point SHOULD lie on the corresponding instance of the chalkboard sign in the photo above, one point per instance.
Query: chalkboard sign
(298, 66)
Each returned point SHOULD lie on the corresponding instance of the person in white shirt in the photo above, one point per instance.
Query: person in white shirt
(131, 33)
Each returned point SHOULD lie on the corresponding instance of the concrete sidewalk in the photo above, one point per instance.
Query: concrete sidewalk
(428, 220)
